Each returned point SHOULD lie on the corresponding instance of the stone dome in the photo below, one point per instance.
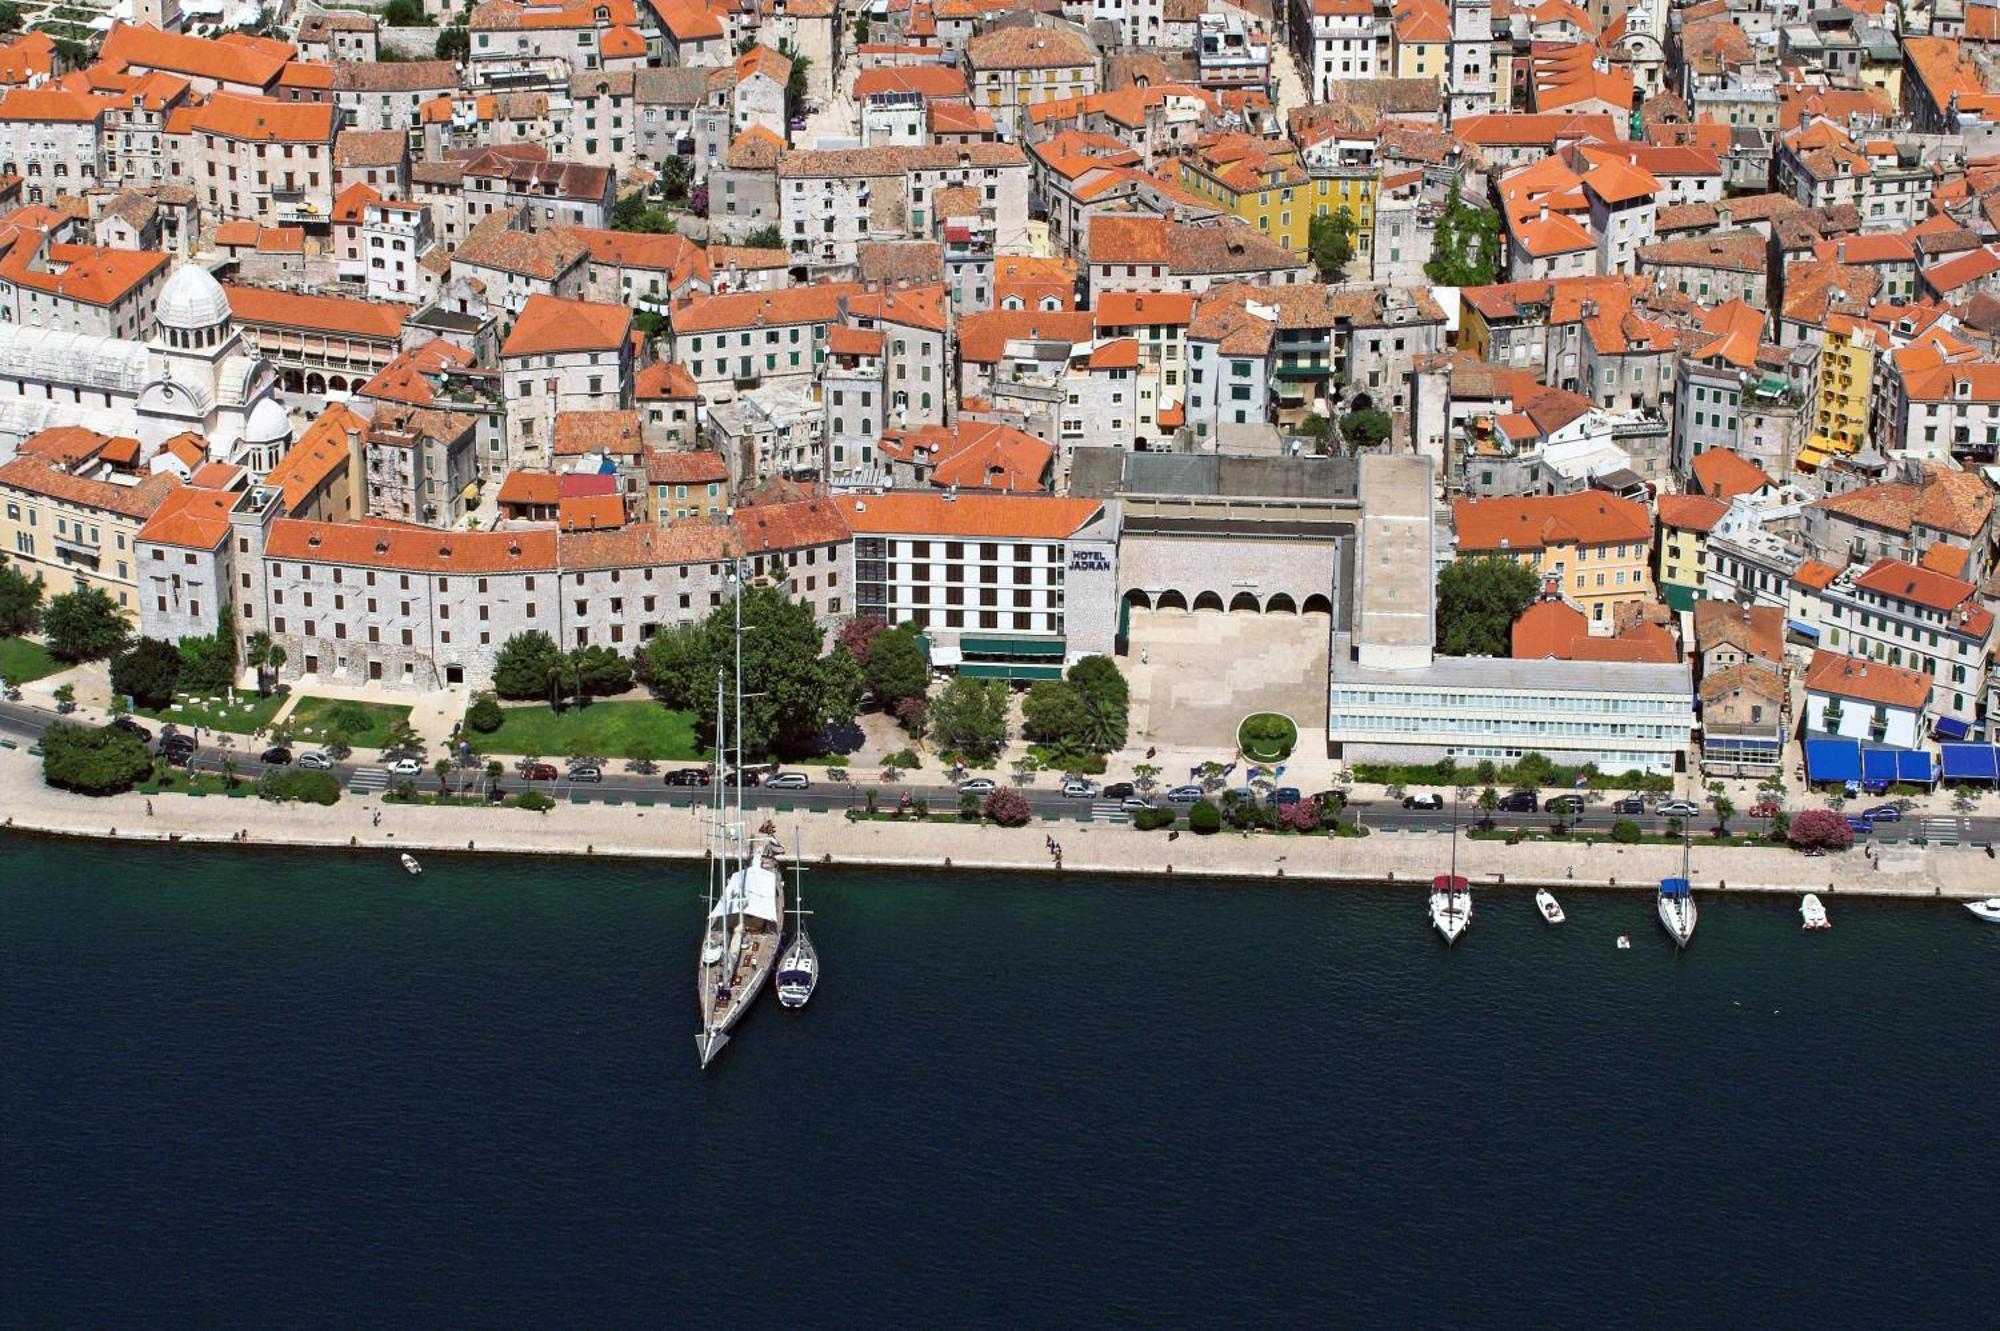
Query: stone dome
(269, 423)
(192, 299)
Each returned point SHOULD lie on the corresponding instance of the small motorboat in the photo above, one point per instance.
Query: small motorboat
(410, 864)
(1987, 910)
(1624, 943)
(1814, 913)
(1545, 902)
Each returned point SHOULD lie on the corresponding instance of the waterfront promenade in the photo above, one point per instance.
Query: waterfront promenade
(1099, 848)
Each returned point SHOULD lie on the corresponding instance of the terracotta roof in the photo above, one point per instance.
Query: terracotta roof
(412, 549)
(317, 314)
(1725, 474)
(1952, 501)
(1028, 517)
(495, 243)
(934, 82)
(52, 105)
(1757, 630)
(249, 64)
(983, 337)
(320, 452)
(1691, 512)
(667, 380)
(1815, 575)
(1904, 581)
(755, 149)
(371, 147)
(746, 309)
(1229, 248)
(191, 517)
(976, 455)
(1589, 517)
(1554, 629)
(1867, 681)
(265, 119)
(791, 526)
(613, 432)
(86, 273)
(1029, 48)
(604, 512)
(1143, 309)
(29, 56)
(685, 467)
(35, 475)
(848, 163)
(1737, 250)
(1509, 130)
(1754, 677)
(548, 324)
(672, 254)
(529, 489)
(67, 445)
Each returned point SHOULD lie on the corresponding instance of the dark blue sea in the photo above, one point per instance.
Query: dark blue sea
(270, 1089)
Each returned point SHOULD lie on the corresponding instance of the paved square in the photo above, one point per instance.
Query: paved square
(1196, 673)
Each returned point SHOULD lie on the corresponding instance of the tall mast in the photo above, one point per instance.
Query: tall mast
(1452, 886)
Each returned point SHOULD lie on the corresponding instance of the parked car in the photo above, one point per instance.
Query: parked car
(1519, 801)
(1078, 789)
(1765, 808)
(1330, 801)
(1429, 800)
(1884, 813)
(788, 781)
(1185, 795)
(406, 767)
(688, 776)
(1564, 803)
(1678, 809)
(1118, 790)
(1630, 804)
(276, 756)
(181, 744)
(132, 728)
(1285, 796)
(1860, 822)
(314, 760)
(1134, 803)
(540, 772)
(978, 785)
(588, 773)
(177, 756)
(750, 776)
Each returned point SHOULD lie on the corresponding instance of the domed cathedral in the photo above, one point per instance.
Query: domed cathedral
(191, 375)
(206, 382)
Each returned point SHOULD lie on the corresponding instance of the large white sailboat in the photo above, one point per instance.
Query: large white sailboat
(746, 918)
(1451, 895)
(1676, 904)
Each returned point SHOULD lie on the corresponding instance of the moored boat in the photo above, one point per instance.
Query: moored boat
(1813, 913)
(1451, 894)
(1677, 910)
(410, 864)
(1545, 902)
(1987, 910)
(798, 968)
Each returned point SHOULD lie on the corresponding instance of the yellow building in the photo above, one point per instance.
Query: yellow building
(1685, 522)
(1846, 384)
(1422, 45)
(74, 532)
(1261, 182)
(1594, 548)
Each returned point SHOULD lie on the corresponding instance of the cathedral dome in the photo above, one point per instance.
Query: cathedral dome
(192, 299)
(268, 424)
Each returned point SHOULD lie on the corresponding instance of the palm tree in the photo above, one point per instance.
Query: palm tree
(443, 769)
(275, 660)
(257, 655)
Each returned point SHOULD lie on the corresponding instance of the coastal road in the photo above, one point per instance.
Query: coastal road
(829, 795)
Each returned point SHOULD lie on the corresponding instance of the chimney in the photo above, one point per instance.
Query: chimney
(1722, 217)
(1545, 211)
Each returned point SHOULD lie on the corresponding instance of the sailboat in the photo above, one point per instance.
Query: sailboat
(746, 919)
(1451, 895)
(1676, 906)
(798, 969)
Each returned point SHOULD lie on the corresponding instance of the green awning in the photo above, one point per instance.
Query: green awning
(1679, 598)
(1305, 371)
(977, 646)
(994, 670)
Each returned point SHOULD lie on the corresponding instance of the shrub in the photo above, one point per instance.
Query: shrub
(1153, 820)
(485, 715)
(148, 673)
(903, 758)
(1204, 819)
(92, 761)
(1626, 832)
(1009, 808)
(534, 801)
(921, 807)
(303, 786)
(1820, 829)
(1300, 817)
(968, 807)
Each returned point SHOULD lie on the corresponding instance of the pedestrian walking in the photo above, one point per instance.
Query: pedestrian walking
(149, 808)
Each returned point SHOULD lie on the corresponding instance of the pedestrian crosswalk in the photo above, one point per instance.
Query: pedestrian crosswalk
(368, 780)
(1108, 811)
(1941, 829)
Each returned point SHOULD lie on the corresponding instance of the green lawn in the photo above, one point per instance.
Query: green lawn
(603, 729)
(246, 714)
(367, 723)
(23, 662)
(1266, 737)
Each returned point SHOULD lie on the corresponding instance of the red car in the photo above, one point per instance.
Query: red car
(1764, 808)
(540, 772)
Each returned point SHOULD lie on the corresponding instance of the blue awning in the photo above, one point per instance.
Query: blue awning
(1950, 727)
(1673, 887)
(1802, 629)
(1916, 766)
(1970, 762)
(1833, 760)
(1878, 767)
(1886, 767)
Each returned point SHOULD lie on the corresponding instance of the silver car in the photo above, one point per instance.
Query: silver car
(978, 785)
(315, 761)
(788, 781)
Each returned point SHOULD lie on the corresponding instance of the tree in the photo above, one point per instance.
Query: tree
(1145, 776)
(765, 238)
(20, 601)
(405, 14)
(1365, 429)
(92, 760)
(1009, 808)
(895, 667)
(969, 717)
(403, 738)
(485, 715)
(443, 769)
(454, 43)
(860, 29)
(632, 213)
(65, 696)
(1054, 713)
(1300, 816)
(84, 625)
(1489, 801)
(858, 634)
(676, 175)
(674, 665)
(1204, 819)
(795, 82)
(208, 664)
(1725, 808)
(526, 663)
(1478, 601)
(148, 673)
(791, 692)
(257, 655)
(1466, 249)
(914, 716)
(71, 54)
(1819, 829)
(599, 671)
(1330, 243)
(10, 16)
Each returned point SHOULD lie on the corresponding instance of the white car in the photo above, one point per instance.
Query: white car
(1185, 795)
(1134, 803)
(316, 761)
(1079, 790)
(406, 767)
(978, 785)
(788, 781)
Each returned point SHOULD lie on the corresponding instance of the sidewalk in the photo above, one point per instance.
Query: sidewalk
(1096, 848)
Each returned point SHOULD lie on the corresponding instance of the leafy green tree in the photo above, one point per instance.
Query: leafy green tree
(405, 14)
(676, 176)
(599, 671)
(969, 717)
(674, 664)
(282, 784)
(84, 625)
(1365, 429)
(1626, 832)
(1489, 801)
(208, 665)
(895, 667)
(1725, 809)
(791, 691)
(1478, 601)
(485, 715)
(860, 29)
(525, 665)
(10, 16)
(1107, 702)
(149, 672)
(1330, 243)
(1466, 249)
(1204, 819)
(632, 213)
(71, 54)
(20, 601)
(765, 238)
(454, 43)
(1054, 713)
(92, 760)
(795, 82)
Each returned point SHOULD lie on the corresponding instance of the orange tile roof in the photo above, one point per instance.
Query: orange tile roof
(792, 525)
(34, 475)
(52, 104)
(252, 65)
(935, 82)
(191, 517)
(412, 549)
(1558, 233)
(1758, 630)
(30, 56)
(265, 119)
(666, 379)
(642, 544)
(550, 324)
(529, 489)
(685, 467)
(983, 337)
(590, 512)
(1815, 575)
(1588, 517)
(1691, 512)
(1948, 500)
(1903, 581)
(1118, 354)
(66, 445)
(1949, 560)
(1028, 517)
(745, 309)
(320, 452)
(1867, 681)
(1725, 474)
(86, 273)
(1142, 309)
(580, 432)
(317, 314)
